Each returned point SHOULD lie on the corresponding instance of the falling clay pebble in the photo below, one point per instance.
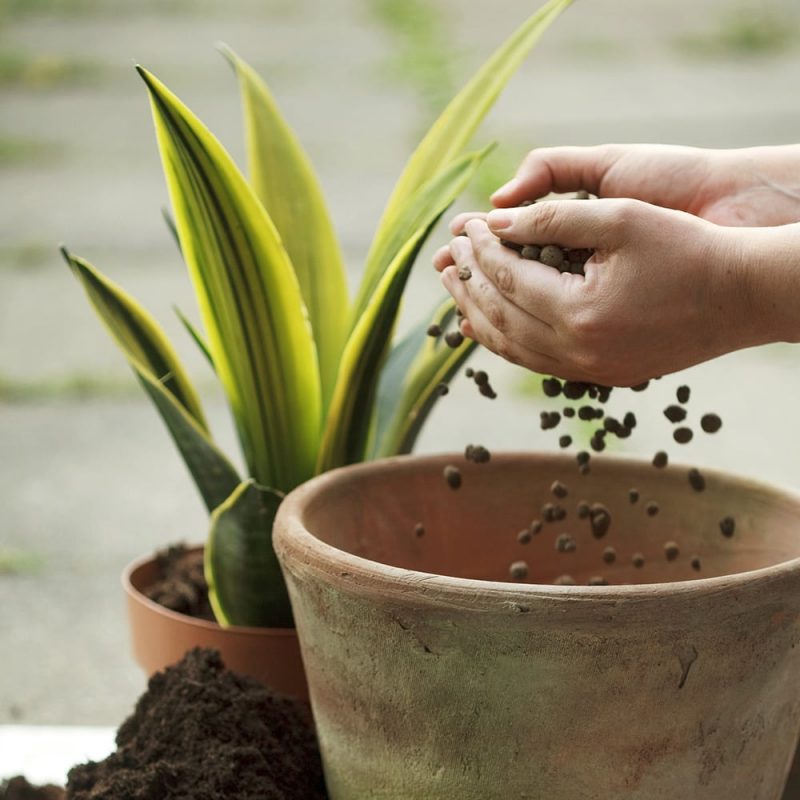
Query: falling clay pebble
(710, 423)
(464, 273)
(518, 570)
(609, 555)
(565, 543)
(633, 495)
(660, 459)
(558, 489)
(696, 564)
(551, 387)
(671, 550)
(469, 372)
(442, 389)
(569, 412)
(583, 510)
(536, 527)
(584, 469)
(597, 580)
(454, 339)
(683, 393)
(682, 435)
(638, 560)
(434, 330)
(696, 480)
(675, 413)
(566, 440)
(651, 508)
(453, 476)
(727, 526)
(419, 529)
(599, 519)
(524, 536)
(583, 457)
(481, 377)
(565, 580)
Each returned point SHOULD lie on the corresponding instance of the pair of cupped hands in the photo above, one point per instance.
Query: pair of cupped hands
(695, 255)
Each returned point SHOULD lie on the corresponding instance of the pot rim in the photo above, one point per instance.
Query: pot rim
(291, 536)
(128, 585)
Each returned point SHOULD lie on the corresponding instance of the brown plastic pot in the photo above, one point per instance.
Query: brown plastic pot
(161, 637)
(432, 676)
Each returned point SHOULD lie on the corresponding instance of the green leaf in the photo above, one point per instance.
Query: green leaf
(284, 180)
(197, 337)
(452, 131)
(351, 413)
(137, 333)
(409, 385)
(250, 302)
(245, 583)
(214, 476)
(153, 360)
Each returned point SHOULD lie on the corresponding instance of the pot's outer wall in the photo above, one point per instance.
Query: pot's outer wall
(424, 687)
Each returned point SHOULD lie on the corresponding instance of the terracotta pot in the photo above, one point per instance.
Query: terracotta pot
(431, 676)
(161, 637)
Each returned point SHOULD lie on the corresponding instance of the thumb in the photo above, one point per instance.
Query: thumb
(597, 224)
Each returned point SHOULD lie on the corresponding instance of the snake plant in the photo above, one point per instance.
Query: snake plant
(313, 379)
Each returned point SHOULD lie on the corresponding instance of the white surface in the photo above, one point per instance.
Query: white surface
(44, 754)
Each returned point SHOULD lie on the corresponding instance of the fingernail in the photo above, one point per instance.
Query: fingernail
(500, 219)
(504, 189)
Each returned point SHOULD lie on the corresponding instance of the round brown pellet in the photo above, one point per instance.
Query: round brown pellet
(638, 560)
(566, 543)
(660, 459)
(710, 423)
(469, 372)
(434, 330)
(464, 273)
(675, 413)
(552, 256)
(633, 495)
(682, 435)
(584, 469)
(565, 580)
(531, 252)
(481, 377)
(583, 510)
(558, 489)
(565, 441)
(651, 508)
(524, 536)
(574, 390)
(568, 412)
(419, 530)
(518, 570)
(671, 550)
(696, 564)
(453, 476)
(683, 393)
(629, 420)
(728, 526)
(696, 480)
(454, 339)
(442, 389)
(609, 555)
(551, 387)
(536, 526)
(583, 457)
(481, 454)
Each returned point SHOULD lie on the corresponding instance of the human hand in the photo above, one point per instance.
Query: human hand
(756, 186)
(664, 290)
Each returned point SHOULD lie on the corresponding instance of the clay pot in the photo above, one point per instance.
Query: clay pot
(432, 676)
(161, 637)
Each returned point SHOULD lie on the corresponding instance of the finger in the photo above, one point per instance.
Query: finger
(478, 327)
(556, 169)
(442, 258)
(478, 296)
(597, 224)
(534, 287)
(459, 220)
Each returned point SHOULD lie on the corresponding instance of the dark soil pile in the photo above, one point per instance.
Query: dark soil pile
(19, 789)
(182, 584)
(201, 732)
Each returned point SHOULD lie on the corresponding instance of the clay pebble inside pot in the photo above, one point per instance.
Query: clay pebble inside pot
(433, 675)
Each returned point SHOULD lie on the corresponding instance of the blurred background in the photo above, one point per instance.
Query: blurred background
(88, 477)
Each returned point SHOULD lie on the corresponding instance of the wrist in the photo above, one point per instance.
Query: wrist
(764, 274)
